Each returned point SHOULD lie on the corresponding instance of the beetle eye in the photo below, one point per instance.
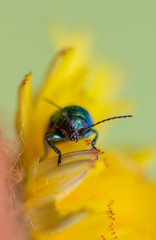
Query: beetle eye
(67, 126)
(81, 130)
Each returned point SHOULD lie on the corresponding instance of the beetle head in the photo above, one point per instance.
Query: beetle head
(76, 127)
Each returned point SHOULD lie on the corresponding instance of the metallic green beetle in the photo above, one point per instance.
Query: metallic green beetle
(70, 123)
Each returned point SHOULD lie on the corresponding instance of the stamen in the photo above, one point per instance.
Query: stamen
(111, 216)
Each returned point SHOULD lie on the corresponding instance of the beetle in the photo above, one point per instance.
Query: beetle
(70, 123)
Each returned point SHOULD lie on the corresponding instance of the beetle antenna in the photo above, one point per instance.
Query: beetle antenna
(108, 119)
(54, 104)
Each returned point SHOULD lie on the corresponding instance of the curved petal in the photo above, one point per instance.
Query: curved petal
(25, 105)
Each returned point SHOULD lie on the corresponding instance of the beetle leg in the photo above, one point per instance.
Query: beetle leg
(93, 142)
(90, 132)
(52, 137)
(56, 150)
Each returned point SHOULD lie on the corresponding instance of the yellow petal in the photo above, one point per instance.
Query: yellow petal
(52, 221)
(49, 179)
(134, 203)
(25, 104)
(50, 183)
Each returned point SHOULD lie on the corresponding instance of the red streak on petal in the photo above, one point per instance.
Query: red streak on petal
(24, 82)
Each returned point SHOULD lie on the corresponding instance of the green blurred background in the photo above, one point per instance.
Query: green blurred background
(124, 31)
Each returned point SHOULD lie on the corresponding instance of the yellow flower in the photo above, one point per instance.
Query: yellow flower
(84, 198)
